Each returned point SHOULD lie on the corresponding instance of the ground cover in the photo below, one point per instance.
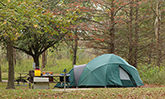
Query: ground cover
(145, 92)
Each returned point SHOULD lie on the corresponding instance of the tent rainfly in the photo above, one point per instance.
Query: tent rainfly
(107, 70)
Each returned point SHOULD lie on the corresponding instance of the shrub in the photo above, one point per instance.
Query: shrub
(152, 74)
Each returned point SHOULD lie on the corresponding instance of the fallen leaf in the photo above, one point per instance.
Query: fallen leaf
(4, 22)
(35, 25)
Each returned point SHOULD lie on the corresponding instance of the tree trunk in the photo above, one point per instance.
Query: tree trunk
(10, 84)
(112, 41)
(157, 33)
(44, 59)
(111, 48)
(150, 52)
(136, 34)
(28, 56)
(14, 56)
(75, 49)
(0, 74)
(130, 37)
(36, 60)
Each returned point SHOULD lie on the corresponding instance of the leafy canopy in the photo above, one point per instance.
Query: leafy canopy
(33, 26)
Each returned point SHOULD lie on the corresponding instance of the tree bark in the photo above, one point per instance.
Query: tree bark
(136, 34)
(36, 60)
(75, 48)
(14, 56)
(130, 37)
(157, 33)
(10, 84)
(111, 48)
(150, 50)
(28, 56)
(44, 59)
(0, 74)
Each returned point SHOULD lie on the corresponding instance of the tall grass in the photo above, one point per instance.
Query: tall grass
(152, 74)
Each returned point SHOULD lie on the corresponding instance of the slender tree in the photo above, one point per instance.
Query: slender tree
(157, 31)
(0, 72)
(1, 64)
(130, 31)
(136, 42)
(75, 48)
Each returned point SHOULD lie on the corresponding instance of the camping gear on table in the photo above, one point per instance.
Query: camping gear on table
(37, 72)
(48, 74)
(107, 70)
(63, 81)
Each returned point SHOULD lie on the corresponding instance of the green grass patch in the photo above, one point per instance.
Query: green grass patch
(22, 92)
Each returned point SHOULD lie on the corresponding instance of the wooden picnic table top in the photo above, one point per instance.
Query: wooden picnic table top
(55, 75)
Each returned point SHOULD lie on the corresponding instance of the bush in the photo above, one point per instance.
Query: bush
(152, 74)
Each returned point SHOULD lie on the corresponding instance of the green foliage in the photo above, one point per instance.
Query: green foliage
(30, 16)
(152, 74)
(53, 64)
(33, 26)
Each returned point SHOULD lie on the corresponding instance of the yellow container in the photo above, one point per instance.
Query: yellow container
(37, 73)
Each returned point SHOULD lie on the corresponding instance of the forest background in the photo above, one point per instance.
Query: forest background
(61, 33)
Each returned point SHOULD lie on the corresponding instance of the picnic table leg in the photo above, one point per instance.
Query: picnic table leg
(29, 85)
(64, 81)
(24, 83)
(17, 82)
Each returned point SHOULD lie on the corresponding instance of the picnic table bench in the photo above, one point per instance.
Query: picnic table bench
(40, 83)
(22, 78)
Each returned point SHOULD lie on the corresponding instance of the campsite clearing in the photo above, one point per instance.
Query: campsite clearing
(23, 92)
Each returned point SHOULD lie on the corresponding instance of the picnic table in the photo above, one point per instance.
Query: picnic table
(52, 78)
(22, 78)
(42, 82)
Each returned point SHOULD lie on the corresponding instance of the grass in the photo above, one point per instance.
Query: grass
(22, 92)
(150, 75)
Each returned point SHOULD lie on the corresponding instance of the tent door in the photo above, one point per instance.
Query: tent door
(125, 78)
(78, 69)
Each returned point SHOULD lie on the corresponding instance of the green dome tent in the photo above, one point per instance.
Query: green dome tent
(105, 71)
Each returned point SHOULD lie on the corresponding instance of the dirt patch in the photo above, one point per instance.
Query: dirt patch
(72, 89)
